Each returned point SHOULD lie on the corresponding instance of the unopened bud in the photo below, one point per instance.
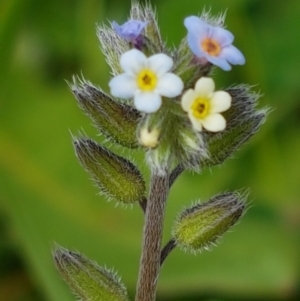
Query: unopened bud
(149, 137)
(201, 225)
(88, 280)
(117, 122)
(116, 177)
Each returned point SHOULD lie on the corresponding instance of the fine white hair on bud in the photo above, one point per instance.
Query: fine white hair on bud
(200, 226)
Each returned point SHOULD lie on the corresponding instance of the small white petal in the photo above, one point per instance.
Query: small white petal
(148, 102)
(196, 123)
(204, 87)
(187, 99)
(220, 102)
(214, 123)
(123, 86)
(133, 61)
(160, 63)
(169, 85)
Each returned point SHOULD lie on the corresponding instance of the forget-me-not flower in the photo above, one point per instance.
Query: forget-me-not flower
(204, 105)
(212, 43)
(146, 80)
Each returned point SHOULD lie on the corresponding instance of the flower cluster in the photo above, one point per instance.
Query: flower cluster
(147, 79)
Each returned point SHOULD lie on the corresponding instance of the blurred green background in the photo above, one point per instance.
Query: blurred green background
(46, 197)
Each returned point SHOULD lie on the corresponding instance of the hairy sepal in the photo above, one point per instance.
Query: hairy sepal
(116, 177)
(117, 122)
(87, 279)
(200, 226)
(243, 121)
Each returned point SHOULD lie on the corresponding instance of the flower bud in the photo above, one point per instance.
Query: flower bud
(115, 121)
(201, 225)
(88, 280)
(149, 137)
(116, 177)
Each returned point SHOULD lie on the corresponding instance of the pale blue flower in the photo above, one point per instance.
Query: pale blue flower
(130, 30)
(213, 44)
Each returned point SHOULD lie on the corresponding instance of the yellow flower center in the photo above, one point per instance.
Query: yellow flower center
(147, 80)
(200, 107)
(211, 46)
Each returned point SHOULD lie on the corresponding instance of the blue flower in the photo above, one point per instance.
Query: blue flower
(213, 44)
(130, 30)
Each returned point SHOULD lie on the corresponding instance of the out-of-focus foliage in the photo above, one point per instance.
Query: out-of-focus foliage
(46, 197)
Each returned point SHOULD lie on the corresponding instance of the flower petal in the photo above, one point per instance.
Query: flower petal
(214, 123)
(204, 87)
(147, 102)
(196, 27)
(233, 55)
(133, 61)
(187, 99)
(130, 30)
(219, 61)
(160, 63)
(196, 123)
(222, 36)
(169, 85)
(197, 31)
(123, 86)
(220, 102)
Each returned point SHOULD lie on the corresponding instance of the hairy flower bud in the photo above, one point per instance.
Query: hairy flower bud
(114, 120)
(149, 137)
(201, 225)
(88, 280)
(116, 177)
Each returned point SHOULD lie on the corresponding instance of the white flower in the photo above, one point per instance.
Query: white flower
(204, 105)
(146, 80)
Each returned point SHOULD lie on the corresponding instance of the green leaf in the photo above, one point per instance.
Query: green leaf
(88, 280)
(116, 177)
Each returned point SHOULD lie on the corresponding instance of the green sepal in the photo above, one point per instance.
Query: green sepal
(116, 177)
(199, 226)
(87, 279)
(243, 121)
(116, 121)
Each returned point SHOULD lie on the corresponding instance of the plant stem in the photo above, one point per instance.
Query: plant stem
(167, 250)
(152, 237)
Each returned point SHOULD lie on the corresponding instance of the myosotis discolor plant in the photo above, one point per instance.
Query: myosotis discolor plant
(163, 102)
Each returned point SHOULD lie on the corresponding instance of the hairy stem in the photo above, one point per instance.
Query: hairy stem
(152, 237)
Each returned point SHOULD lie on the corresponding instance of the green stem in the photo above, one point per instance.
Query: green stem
(152, 237)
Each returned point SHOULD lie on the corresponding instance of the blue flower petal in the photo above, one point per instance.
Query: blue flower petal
(233, 55)
(130, 30)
